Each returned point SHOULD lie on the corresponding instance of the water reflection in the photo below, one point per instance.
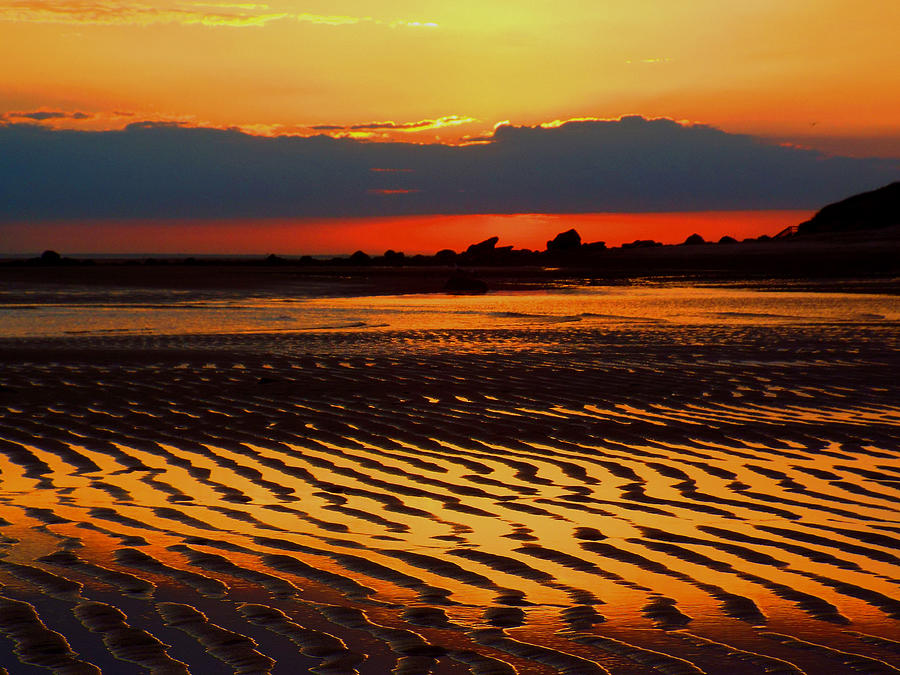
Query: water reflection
(588, 307)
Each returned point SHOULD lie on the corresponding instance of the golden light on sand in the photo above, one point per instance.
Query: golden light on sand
(579, 493)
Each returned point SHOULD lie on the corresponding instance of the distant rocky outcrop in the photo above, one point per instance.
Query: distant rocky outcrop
(395, 258)
(485, 247)
(866, 211)
(564, 242)
(593, 246)
(360, 258)
(484, 252)
(568, 245)
(446, 256)
(642, 243)
(693, 240)
(50, 258)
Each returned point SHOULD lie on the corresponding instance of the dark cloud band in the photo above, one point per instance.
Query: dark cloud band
(151, 170)
(44, 115)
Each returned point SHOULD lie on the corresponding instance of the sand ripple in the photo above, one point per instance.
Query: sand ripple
(634, 499)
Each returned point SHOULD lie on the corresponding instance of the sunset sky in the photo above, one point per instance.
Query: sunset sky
(819, 74)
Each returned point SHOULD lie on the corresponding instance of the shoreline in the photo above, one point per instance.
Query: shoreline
(820, 261)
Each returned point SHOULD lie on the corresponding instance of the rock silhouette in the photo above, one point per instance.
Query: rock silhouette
(360, 258)
(564, 242)
(642, 243)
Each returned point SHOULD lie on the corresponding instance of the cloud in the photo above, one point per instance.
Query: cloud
(410, 24)
(654, 61)
(331, 20)
(421, 125)
(159, 170)
(99, 13)
(385, 191)
(227, 14)
(44, 115)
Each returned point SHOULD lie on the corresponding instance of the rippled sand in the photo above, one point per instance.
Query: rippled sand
(628, 499)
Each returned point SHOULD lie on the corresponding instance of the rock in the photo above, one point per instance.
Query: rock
(484, 252)
(445, 256)
(51, 258)
(642, 243)
(727, 240)
(483, 247)
(594, 246)
(564, 242)
(693, 240)
(360, 258)
(392, 257)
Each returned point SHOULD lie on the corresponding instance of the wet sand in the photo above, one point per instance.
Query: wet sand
(628, 500)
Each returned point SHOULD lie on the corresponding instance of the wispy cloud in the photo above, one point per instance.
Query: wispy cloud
(410, 24)
(227, 14)
(407, 127)
(332, 19)
(558, 123)
(385, 192)
(654, 61)
(43, 115)
(106, 13)
(232, 5)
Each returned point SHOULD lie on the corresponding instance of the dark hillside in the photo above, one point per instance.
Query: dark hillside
(866, 211)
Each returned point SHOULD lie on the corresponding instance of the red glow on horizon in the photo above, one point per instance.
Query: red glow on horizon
(410, 234)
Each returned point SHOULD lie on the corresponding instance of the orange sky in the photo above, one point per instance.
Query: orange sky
(825, 73)
(411, 234)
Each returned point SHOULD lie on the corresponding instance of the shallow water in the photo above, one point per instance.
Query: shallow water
(607, 480)
(167, 312)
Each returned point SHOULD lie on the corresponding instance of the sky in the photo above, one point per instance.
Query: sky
(474, 90)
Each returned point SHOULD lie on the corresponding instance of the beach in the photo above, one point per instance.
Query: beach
(577, 479)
